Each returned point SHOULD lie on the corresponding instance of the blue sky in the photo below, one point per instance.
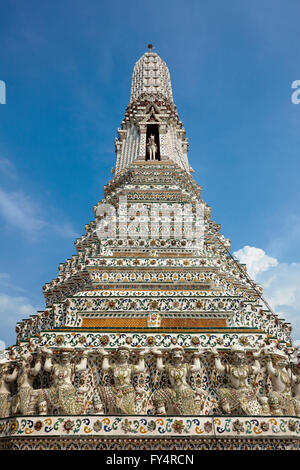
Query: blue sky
(67, 67)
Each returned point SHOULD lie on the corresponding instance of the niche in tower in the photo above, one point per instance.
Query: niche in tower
(152, 130)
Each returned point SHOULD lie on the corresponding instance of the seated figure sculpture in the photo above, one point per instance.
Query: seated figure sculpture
(121, 396)
(179, 397)
(280, 398)
(61, 395)
(239, 396)
(26, 398)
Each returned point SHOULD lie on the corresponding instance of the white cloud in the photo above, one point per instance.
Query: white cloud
(280, 282)
(256, 260)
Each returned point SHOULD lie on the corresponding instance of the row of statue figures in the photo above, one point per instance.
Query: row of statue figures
(124, 395)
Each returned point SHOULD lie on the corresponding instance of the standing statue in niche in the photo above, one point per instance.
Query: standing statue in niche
(26, 398)
(121, 396)
(280, 398)
(62, 395)
(5, 396)
(239, 396)
(152, 147)
(178, 397)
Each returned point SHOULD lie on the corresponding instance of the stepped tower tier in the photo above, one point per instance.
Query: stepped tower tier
(151, 316)
(159, 270)
(151, 112)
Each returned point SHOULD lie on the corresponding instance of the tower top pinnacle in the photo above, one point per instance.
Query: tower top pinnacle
(151, 129)
(151, 76)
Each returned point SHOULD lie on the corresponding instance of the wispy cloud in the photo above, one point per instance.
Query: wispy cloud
(6, 283)
(22, 212)
(286, 239)
(14, 309)
(15, 305)
(7, 168)
(65, 230)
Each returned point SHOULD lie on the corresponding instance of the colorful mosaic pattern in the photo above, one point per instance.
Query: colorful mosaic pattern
(151, 426)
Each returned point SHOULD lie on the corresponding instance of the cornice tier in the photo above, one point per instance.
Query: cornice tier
(145, 172)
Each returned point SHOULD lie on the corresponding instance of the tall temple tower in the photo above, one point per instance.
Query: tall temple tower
(153, 335)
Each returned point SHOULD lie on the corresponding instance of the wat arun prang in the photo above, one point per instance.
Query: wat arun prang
(153, 335)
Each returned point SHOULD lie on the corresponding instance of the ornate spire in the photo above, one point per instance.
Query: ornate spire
(151, 120)
(151, 76)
